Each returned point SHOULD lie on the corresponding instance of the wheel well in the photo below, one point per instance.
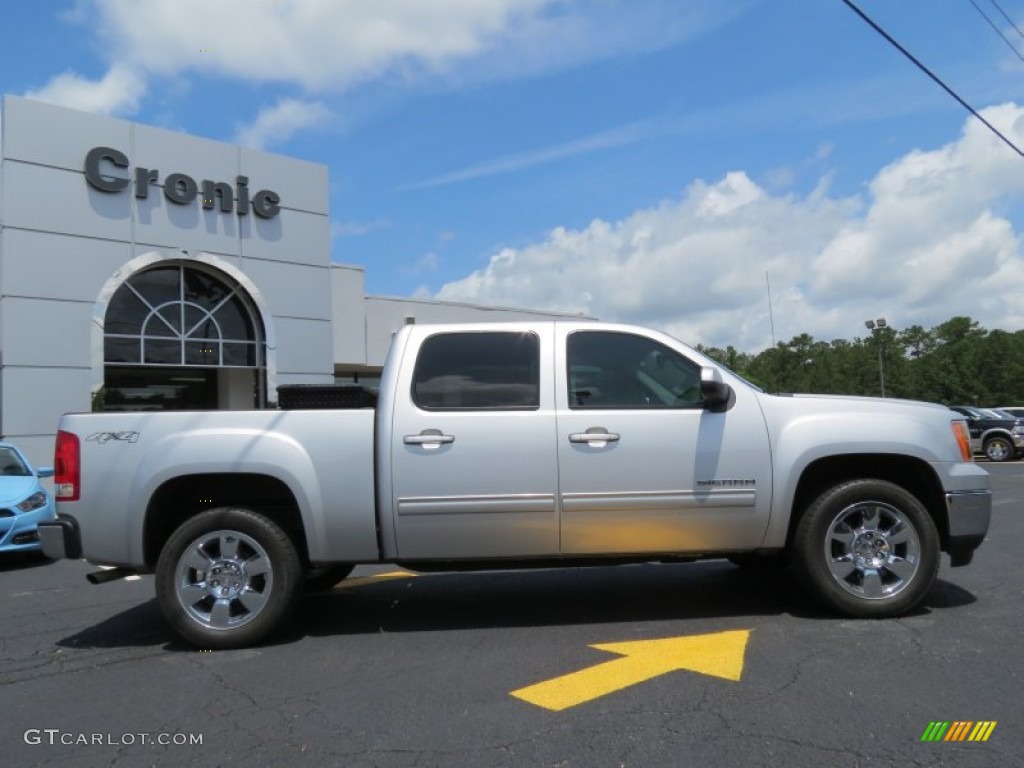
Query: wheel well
(179, 499)
(909, 473)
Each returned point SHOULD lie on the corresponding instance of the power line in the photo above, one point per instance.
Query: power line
(1009, 21)
(932, 75)
(997, 30)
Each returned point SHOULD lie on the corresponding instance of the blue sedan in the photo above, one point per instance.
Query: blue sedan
(24, 503)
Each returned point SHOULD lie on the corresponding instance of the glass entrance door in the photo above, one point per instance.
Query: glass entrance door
(159, 389)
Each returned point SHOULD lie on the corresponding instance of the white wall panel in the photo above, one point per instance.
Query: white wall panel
(303, 346)
(41, 332)
(34, 399)
(291, 236)
(42, 133)
(54, 200)
(292, 289)
(53, 266)
(348, 286)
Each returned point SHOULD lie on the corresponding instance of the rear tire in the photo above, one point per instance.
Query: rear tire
(998, 449)
(867, 548)
(227, 578)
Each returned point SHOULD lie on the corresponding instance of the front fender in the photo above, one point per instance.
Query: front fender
(800, 441)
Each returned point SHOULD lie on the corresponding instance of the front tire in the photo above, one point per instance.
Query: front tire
(227, 578)
(867, 548)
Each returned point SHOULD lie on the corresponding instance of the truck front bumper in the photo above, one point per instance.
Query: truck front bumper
(61, 538)
(968, 513)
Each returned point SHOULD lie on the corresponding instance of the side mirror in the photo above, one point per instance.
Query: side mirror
(717, 395)
(44, 471)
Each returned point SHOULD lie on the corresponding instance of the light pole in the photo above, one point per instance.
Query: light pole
(873, 325)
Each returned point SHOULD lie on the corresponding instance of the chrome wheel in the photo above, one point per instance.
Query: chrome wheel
(873, 550)
(223, 579)
(998, 449)
(227, 577)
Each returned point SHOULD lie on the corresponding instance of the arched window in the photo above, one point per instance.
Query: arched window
(181, 316)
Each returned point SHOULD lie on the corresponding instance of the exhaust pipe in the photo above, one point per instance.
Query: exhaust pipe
(109, 574)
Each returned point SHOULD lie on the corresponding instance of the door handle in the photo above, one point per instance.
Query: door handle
(594, 437)
(428, 437)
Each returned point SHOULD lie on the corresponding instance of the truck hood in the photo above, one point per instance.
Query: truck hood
(845, 424)
(855, 403)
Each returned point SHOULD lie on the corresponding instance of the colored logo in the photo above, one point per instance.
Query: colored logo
(958, 730)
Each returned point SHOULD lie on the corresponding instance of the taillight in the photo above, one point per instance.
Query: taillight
(67, 467)
(963, 439)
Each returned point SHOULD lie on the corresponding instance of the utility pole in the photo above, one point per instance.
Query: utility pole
(877, 325)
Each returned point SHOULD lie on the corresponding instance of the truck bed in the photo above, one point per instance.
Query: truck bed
(324, 457)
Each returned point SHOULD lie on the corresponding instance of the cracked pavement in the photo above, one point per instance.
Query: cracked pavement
(415, 673)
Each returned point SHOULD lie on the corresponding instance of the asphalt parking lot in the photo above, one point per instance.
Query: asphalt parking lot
(708, 666)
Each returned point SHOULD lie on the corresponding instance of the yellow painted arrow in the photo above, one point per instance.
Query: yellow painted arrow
(719, 654)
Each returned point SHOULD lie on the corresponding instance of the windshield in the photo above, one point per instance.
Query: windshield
(993, 413)
(11, 464)
(974, 412)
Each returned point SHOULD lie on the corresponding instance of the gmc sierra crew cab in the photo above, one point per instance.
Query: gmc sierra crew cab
(519, 445)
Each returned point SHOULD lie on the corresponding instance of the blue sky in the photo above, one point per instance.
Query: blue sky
(646, 161)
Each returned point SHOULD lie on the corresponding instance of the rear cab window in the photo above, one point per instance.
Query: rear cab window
(489, 370)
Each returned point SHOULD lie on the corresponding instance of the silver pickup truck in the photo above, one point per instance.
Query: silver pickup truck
(511, 446)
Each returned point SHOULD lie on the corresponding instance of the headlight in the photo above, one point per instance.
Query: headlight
(35, 501)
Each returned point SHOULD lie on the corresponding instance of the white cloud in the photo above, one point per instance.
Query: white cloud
(324, 46)
(277, 124)
(327, 44)
(117, 92)
(317, 44)
(928, 242)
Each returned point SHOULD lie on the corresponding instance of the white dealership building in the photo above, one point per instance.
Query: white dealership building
(142, 269)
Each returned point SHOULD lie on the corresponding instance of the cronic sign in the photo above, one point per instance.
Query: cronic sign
(106, 169)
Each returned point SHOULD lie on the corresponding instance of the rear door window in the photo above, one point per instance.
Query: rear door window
(487, 371)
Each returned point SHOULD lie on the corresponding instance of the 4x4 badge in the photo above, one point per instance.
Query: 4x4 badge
(106, 437)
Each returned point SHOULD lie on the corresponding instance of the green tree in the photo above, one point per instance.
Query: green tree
(957, 361)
